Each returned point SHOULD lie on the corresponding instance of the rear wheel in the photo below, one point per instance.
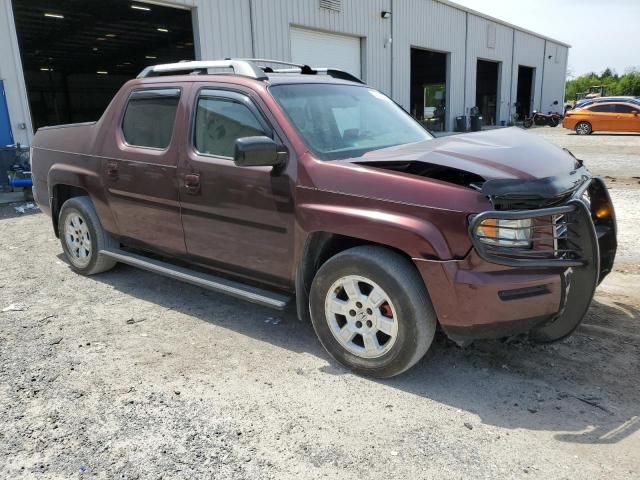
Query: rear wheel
(371, 311)
(583, 128)
(82, 237)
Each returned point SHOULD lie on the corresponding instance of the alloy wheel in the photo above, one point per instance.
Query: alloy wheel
(361, 316)
(77, 239)
(583, 128)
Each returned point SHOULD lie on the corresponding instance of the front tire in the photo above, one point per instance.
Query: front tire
(583, 128)
(371, 311)
(82, 237)
(527, 123)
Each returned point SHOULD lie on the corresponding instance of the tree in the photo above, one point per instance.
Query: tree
(627, 84)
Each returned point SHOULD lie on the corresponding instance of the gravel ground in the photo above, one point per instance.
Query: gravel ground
(130, 375)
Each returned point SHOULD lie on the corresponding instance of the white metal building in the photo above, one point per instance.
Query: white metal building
(435, 58)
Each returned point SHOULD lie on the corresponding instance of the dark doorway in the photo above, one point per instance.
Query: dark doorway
(77, 54)
(524, 97)
(487, 78)
(429, 88)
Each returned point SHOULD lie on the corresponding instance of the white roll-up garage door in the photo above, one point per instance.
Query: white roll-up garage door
(320, 49)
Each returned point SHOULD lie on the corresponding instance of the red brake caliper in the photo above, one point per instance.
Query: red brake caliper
(386, 310)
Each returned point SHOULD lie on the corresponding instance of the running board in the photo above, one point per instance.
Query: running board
(211, 282)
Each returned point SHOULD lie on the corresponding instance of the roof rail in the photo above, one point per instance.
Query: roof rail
(239, 67)
(244, 66)
(332, 72)
(300, 68)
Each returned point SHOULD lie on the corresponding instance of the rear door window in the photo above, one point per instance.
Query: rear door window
(150, 116)
(623, 108)
(220, 121)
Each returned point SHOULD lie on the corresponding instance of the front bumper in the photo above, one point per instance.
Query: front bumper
(547, 289)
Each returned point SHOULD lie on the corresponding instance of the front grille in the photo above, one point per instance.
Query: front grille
(560, 231)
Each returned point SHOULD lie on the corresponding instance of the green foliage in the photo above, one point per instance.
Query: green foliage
(627, 84)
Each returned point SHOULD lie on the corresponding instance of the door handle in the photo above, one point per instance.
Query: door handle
(192, 183)
(112, 169)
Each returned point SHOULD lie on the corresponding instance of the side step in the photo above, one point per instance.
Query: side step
(210, 282)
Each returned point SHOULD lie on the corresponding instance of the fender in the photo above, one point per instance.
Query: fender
(87, 178)
(417, 237)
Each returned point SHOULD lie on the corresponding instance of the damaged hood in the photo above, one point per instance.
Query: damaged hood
(500, 154)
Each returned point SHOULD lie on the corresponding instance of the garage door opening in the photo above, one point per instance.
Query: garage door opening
(429, 88)
(487, 80)
(524, 97)
(322, 49)
(77, 54)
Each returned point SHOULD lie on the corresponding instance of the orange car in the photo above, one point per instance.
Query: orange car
(604, 117)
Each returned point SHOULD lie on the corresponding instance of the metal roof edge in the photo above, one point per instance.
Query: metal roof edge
(501, 22)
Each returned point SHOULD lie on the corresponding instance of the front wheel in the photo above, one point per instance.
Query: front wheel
(583, 128)
(527, 123)
(371, 311)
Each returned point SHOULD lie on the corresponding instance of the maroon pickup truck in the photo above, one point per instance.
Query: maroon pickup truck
(273, 183)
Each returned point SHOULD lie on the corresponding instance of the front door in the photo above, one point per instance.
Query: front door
(139, 167)
(236, 219)
(627, 117)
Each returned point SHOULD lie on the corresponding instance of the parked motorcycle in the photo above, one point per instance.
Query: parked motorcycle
(551, 119)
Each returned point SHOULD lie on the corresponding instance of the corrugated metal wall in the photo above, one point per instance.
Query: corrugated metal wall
(273, 19)
(529, 52)
(553, 81)
(478, 47)
(261, 28)
(221, 27)
(11, 73)
(433, 26)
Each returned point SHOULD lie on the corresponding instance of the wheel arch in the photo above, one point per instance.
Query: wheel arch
(319, 247)
(60, 193)
(68, 181)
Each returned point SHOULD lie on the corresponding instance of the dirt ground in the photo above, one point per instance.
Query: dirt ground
(130, 375)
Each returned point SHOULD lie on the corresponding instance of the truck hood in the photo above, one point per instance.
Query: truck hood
(505, 154)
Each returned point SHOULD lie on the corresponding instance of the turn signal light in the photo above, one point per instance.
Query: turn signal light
(603, 212)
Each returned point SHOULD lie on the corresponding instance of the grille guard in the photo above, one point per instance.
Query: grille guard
(589, 241)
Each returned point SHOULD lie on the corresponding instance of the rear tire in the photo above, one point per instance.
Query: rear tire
(82, 237)
(584, 128)
(371, 311)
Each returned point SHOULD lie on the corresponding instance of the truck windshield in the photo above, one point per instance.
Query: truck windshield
(346, 121)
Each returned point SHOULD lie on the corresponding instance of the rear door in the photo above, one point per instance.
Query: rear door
(139, 170)
(236, 219)
(627, 118)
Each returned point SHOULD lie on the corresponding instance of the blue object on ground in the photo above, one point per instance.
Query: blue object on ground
(21, 182)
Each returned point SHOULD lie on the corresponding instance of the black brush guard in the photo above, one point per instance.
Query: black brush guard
(578, 237)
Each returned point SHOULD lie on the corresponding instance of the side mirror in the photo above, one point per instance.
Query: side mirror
(256, 152)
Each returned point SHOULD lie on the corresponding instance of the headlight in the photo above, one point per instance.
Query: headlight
(505, 233)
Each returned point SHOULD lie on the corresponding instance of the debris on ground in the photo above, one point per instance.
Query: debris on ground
(26, 207)
(14, 307)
